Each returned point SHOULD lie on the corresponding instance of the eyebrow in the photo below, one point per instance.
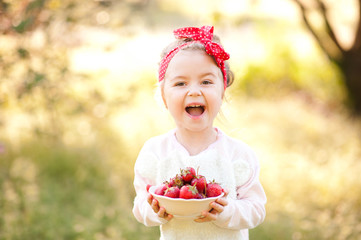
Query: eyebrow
(201, 75)
(208, 74)
(178, 77)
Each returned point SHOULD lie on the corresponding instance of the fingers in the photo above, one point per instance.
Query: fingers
(222, 201)
(168, 217)
(160, 211)
(225, 193)
(217, 208)
(155, 206)
(153, 203)
(163, 214)
(150, 199)
(207, 216)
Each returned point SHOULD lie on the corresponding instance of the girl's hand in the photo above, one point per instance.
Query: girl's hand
(217, 208)
(160, 211)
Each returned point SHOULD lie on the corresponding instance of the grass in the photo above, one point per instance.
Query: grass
(310, 163)
(78, 186)
(53, 192)
(76, 182)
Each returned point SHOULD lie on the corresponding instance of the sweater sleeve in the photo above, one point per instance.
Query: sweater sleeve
(143, 175)
(248, 209)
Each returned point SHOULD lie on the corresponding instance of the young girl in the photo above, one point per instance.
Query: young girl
(193, 77)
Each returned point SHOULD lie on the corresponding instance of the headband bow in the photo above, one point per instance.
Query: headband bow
(203, 35)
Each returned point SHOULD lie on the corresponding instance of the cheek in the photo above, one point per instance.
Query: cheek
(164, 101)
(169, 100)
(216, 101)
(163, 94)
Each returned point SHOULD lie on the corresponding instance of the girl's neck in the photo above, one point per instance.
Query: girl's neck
(196, 142)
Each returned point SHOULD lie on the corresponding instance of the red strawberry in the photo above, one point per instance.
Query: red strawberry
(148, 186)
(213, 189)
(188, 192)
(172, 192)
(200, 182)
(200, 196)
(188, 174)
(176, 181)
(161, 189)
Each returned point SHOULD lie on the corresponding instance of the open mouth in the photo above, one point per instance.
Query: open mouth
(195, 110)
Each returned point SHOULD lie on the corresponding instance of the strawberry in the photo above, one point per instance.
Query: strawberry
(188, 174)
(172, 192)
(200, 196)
(200, 182)
(213, 189)
(176, 181)
(188, 192)
(161, 189)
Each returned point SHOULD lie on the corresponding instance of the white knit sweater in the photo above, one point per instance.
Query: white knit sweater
(229, 161)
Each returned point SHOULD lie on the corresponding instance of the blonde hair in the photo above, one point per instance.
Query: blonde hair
(198, 46)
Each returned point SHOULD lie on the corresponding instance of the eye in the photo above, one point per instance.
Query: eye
(179, 84)
(206, 82)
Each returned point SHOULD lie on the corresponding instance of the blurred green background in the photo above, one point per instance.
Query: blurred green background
(78, 99)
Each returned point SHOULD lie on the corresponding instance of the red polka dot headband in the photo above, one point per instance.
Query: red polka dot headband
(204, 35)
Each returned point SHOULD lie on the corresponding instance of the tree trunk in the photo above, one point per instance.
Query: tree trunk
(348, 60)
(351, 68)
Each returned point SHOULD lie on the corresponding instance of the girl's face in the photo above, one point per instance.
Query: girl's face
(193, 90)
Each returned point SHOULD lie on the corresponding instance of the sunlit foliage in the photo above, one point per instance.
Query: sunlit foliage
(77, 86)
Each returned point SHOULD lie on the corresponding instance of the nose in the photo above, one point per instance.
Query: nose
(194, 90)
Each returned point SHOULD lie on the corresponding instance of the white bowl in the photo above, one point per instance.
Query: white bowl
(183, 208)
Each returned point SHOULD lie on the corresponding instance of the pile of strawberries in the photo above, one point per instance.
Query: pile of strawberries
(189, 185)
